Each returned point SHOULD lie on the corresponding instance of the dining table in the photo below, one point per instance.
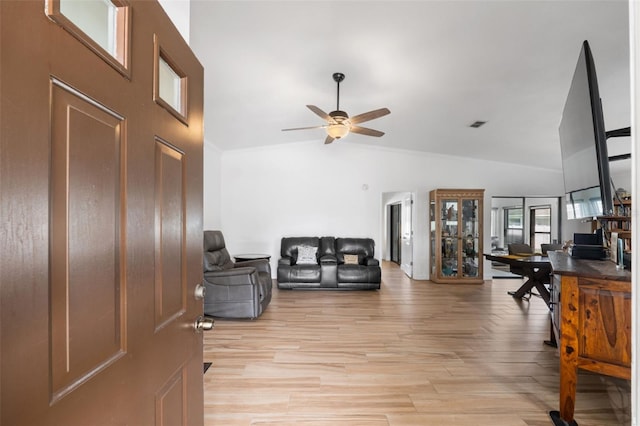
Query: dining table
(535, 268)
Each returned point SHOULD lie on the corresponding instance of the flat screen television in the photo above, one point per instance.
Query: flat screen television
(583, 142)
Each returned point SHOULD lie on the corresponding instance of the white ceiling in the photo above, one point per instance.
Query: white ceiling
(437, 65)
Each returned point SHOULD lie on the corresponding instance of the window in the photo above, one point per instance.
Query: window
(540, 227)
(101, 25)
(170, 84)
(513, 225)
(170, 87)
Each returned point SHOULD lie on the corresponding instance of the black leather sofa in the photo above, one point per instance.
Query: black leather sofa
(328, 263)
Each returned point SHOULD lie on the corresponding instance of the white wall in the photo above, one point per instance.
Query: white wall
(309, 188)
(211, 194)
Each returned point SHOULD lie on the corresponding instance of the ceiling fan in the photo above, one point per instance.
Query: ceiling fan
(338, 122)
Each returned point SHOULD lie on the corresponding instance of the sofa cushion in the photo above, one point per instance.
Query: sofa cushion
(216, 256)
(307, 255)
(289, 245)
(299, 274)
(327, 246)
(351, 259)
(363, 247)
(217, 260)
(358, 274)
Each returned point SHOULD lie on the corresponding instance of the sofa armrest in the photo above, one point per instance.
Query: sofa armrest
(236, 276)
(370, 261)
(328, 259)
(261, 265)
(285, 261)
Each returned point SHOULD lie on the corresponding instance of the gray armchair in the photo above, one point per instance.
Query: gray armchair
(233, 290)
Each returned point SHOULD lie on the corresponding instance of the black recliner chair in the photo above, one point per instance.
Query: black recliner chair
(233, 290)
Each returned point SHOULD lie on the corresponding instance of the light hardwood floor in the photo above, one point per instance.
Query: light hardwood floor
(412, 353)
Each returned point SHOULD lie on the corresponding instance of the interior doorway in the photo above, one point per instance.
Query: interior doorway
(397, 229)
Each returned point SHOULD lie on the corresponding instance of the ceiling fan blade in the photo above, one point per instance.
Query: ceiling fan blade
(366, 131)
(361, 118)
(319, 112)
(304, 128)
(328, 140)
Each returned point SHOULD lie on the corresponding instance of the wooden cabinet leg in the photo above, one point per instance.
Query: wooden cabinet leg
(569, 349)
(568, 377)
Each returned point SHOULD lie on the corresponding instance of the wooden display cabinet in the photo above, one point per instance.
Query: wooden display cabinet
(456, 235)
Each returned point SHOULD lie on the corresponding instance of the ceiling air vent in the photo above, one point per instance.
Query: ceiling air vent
(477, 124)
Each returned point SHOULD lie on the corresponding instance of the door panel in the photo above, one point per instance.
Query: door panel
(87, 182)
(101, 244)
(170, 401)
(170, 290)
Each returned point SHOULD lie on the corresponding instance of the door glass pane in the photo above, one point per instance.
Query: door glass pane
(470, 238)
(104, 26)
(170, 86)
(432, 230)
(449, 218)
(96, 18)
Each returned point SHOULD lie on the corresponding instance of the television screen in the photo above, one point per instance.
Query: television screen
(583, 142)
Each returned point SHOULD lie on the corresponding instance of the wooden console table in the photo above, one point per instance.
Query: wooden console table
(594, 324)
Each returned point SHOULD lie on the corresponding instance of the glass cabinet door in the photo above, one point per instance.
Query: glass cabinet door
(449, 237)
(470, 238)
(432, 235)
(456, 235)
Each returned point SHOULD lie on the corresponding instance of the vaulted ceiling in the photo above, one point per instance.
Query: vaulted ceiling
(438, 66)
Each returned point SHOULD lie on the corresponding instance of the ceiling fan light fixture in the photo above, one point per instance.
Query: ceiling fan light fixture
(338, 130)
(338, 122)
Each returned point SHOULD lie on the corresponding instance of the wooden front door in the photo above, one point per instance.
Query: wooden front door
(101, 201)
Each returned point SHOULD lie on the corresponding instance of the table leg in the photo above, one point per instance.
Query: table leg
(543, 292)
(537, 279)
(524, 289)
(552, 336)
